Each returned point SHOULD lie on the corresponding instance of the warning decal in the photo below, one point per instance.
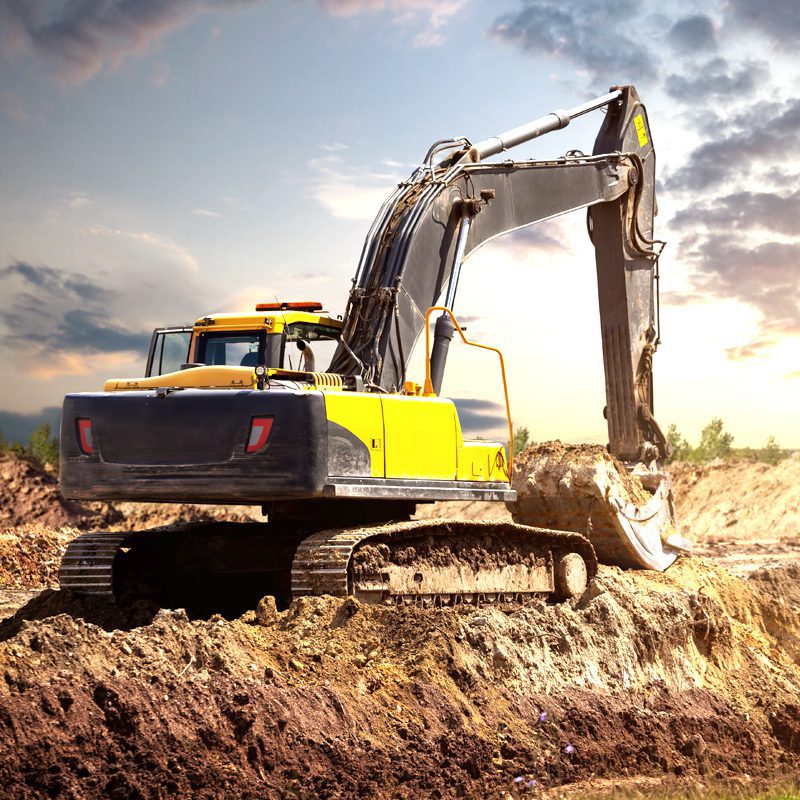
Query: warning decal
(641, 131)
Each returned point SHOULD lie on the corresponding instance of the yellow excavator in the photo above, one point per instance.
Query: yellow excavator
(235, 410)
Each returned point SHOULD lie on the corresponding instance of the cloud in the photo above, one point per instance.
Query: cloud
(350, 192)
(693, 34)
(716, 79)
(78, 200)
(765, 276)
(65, 313)
(745, 210)
(777, 19)
(553, 28)
(83, 38)
(204, 212)
(481, 417)
(750, 350)
(433, 14)
(549, 238)
(764, 132)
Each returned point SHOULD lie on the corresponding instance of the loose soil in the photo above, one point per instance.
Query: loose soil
(691, 675)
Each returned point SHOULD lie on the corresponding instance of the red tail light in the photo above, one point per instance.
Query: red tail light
(260, 428)
(85, 435)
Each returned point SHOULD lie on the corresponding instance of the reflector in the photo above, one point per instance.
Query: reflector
(85, 435)
(260, 428)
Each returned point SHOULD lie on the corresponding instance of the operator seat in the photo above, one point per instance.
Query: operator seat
(249, 360)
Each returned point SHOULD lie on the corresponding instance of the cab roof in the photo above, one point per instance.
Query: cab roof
(269, 317)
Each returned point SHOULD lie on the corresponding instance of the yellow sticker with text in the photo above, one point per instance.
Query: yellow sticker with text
(641, 131)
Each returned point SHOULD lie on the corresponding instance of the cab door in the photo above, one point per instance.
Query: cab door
(169, 350)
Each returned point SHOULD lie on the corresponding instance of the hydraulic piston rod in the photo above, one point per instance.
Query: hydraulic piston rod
(553, 121)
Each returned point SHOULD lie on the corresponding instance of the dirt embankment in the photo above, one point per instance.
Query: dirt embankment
(695, 672)
(692, 672)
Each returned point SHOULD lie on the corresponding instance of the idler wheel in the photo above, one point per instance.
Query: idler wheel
(571, 576)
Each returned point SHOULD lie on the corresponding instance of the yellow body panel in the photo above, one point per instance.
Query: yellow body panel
(198, 377)
(362, 415)
(422, 436)
(415, 438)
(482, 461)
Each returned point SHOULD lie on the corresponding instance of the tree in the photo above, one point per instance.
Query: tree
(715, 442)
(3, 443)
(771, 452)
(43, 446)
(681, 449)
(521, 440)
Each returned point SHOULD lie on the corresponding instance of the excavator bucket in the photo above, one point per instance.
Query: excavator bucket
(628, 517)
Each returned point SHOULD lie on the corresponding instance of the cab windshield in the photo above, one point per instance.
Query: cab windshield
(302, 346)
(239, 349)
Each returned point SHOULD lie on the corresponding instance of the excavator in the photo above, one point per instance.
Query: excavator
(339, 458)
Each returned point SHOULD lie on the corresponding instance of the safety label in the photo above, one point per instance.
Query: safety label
(641, 131)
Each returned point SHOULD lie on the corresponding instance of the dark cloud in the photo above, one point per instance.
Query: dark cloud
(19, 427)
(778, 19)
(48, 311)
(718, 78)
(744, 210)
(764, 275)
(693, 35)
(589, 34)
(87, 332)
(480, 417)
(82, 37)
(764, 133)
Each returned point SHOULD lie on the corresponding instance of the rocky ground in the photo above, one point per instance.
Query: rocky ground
(689, 676)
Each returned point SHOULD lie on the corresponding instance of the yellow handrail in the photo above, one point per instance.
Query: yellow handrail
(428, 388)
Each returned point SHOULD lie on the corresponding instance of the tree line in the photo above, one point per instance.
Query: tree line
(715, 442)
(42, 446)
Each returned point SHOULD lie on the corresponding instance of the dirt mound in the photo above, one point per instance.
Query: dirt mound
(29, 494)
(742, 513)
(691, 672)
(30, 555)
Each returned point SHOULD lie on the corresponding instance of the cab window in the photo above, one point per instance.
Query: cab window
(320, 340)
(169, 349)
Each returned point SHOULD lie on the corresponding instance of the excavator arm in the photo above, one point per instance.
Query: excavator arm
(445, 211)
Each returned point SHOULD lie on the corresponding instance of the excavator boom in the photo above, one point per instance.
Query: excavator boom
(446, 211)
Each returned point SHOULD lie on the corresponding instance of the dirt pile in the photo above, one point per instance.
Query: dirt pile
(29, 494)
(692, 672)
(743, 512)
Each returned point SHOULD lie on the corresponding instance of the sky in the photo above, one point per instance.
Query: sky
(164, 159)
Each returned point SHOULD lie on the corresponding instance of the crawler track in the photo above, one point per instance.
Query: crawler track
(438, 563)
(442, 562)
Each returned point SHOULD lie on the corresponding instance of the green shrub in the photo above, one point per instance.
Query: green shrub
(43, 446)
